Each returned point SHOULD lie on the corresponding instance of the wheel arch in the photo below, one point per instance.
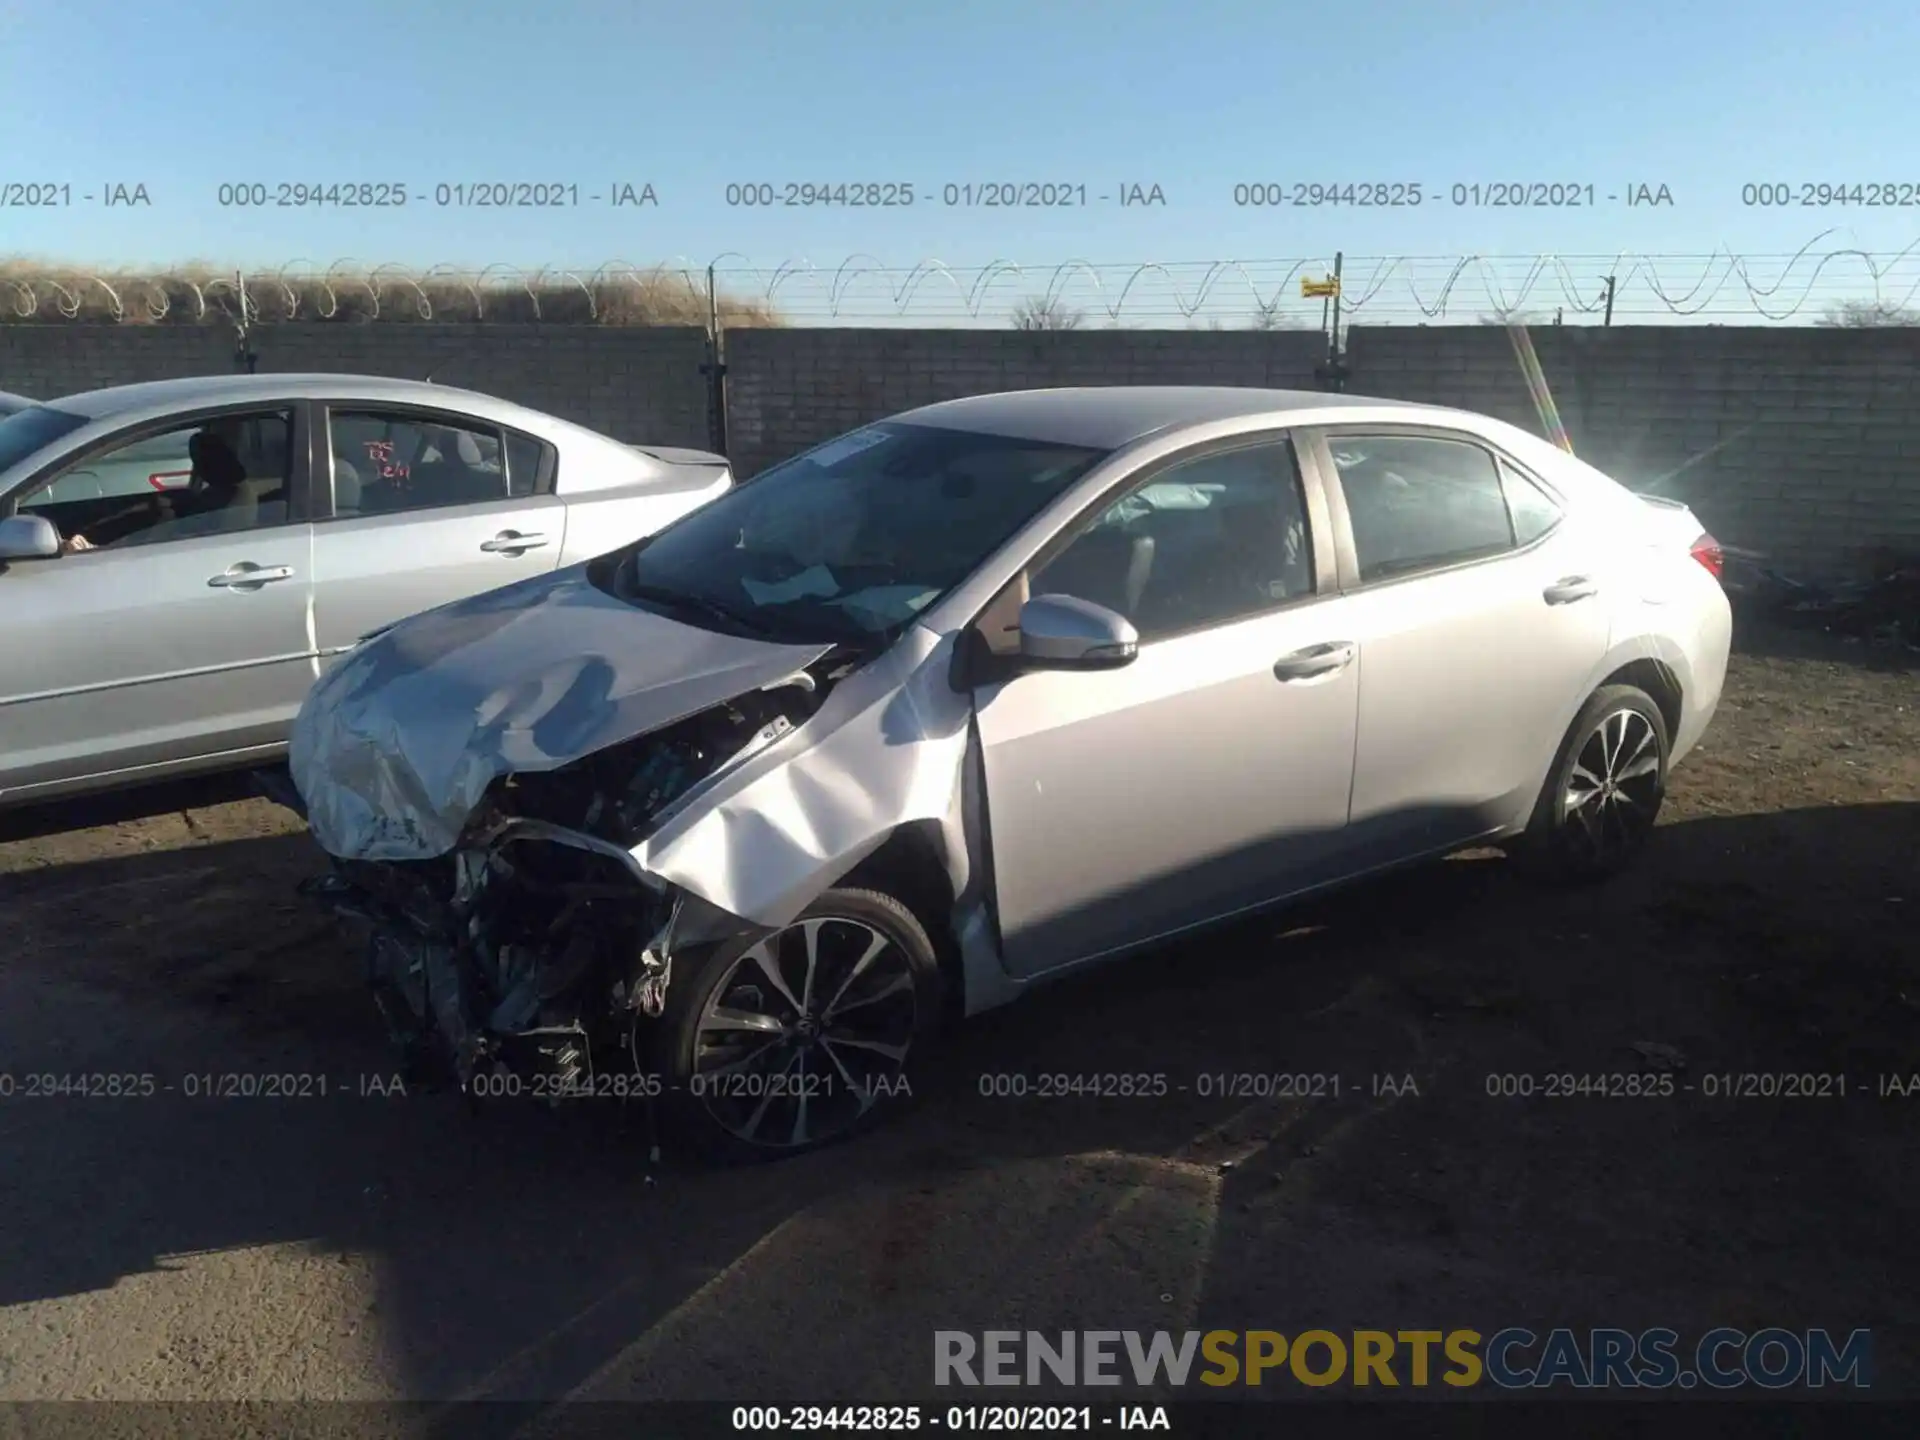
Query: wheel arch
(1648, 663)
(1658, 679)
(913, 865)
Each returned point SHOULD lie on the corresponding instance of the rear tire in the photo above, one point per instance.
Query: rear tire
(1604, 791)
(776, 1045)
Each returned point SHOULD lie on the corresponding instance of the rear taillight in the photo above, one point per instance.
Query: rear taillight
(1707, 551)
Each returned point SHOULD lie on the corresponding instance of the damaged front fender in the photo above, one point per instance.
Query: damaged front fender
(887, 748)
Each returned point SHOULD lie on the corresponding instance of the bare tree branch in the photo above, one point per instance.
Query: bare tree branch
(1866, 314)
(1046, 313)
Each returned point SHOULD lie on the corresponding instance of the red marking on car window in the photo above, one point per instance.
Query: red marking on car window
(380, 456)
(159, 479)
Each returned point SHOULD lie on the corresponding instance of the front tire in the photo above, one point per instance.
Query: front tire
(775, 1045)
(1604, 792)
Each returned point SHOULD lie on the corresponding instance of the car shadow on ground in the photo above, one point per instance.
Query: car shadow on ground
(1326, 1125)
(125, 807)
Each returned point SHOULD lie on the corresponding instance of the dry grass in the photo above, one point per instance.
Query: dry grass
(41, 292)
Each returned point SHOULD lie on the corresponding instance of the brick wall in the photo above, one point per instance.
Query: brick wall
(1802, 442)
(48, 360)
(634, 384)
(788, 389)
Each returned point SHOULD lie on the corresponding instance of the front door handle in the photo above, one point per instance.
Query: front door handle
(248, 576)
(1315, 661)
(1569, 589)
(512, 542)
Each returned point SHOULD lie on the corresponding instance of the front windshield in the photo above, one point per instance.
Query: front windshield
(853, 539)
(25, 431)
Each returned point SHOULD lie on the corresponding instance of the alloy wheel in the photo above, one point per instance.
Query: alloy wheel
(806, 1031)
(1614, 787)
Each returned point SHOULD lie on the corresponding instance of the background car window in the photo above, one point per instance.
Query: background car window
(216, 476)
(1533, 510)
(523, 463)
(388, 462)
(1416, 502)
(1203, 543)
(31, 429)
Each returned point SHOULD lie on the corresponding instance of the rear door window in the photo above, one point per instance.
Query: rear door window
(386, 462)
(1418, 502)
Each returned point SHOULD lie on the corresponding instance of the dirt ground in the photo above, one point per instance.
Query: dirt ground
(366, 1245)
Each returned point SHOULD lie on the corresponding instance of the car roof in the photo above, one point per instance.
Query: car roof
(1107, 417)
(192, 391)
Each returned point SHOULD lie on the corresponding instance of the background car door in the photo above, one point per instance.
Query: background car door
(427, 508)
(179, 638)
(1480, 622)
(1212, 772)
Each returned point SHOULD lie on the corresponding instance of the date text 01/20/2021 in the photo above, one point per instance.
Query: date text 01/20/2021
(1474, 195)
(807, 1419)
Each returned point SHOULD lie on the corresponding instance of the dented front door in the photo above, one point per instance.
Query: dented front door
(1201, 779)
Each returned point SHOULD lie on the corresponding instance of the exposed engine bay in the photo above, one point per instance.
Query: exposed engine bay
(536, 947)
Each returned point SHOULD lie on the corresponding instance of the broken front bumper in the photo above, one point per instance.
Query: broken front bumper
(531, 944)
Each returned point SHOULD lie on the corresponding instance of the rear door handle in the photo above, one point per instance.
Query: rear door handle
(512, 542)
(1314, 661)
(248, 576)
(1569, 589)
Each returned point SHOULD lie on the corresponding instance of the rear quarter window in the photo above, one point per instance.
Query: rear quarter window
(528, 470)
(1534, 511)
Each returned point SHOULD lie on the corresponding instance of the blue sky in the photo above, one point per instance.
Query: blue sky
(1696, 95)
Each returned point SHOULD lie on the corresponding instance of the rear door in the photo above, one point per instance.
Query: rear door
(424, 507)
(174, 641)
(1480, 618)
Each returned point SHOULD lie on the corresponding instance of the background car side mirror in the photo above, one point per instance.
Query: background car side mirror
(1064, 632)
(28, 537)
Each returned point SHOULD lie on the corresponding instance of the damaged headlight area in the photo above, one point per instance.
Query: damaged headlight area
(538, 947)
(622, 793)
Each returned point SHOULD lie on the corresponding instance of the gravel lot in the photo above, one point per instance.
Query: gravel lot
(367, 1245)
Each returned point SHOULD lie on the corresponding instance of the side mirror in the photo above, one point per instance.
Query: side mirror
(28, 537)
(1064, 632)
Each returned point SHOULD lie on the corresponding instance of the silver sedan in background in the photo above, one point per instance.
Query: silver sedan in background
(978, 696)
(179, 560)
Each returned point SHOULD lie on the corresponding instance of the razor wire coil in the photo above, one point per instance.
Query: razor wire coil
(1811, 284)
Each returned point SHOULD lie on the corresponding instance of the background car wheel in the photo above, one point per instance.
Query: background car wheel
(806, 1036)
(1604, 791)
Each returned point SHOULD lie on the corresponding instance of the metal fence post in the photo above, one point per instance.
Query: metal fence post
(1333, 374)
(715, 369)
(243, 356)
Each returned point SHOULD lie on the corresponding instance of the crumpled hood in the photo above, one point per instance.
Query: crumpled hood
(397, 743)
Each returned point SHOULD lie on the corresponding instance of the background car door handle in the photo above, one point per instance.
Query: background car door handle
(1314, 660)
(512, 542)
(249, 576)
(1570, 589)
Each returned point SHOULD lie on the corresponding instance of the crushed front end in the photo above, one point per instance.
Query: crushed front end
(538, 947)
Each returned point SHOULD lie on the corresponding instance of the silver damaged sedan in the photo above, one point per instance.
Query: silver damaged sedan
(965, 700)
(179, 560)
